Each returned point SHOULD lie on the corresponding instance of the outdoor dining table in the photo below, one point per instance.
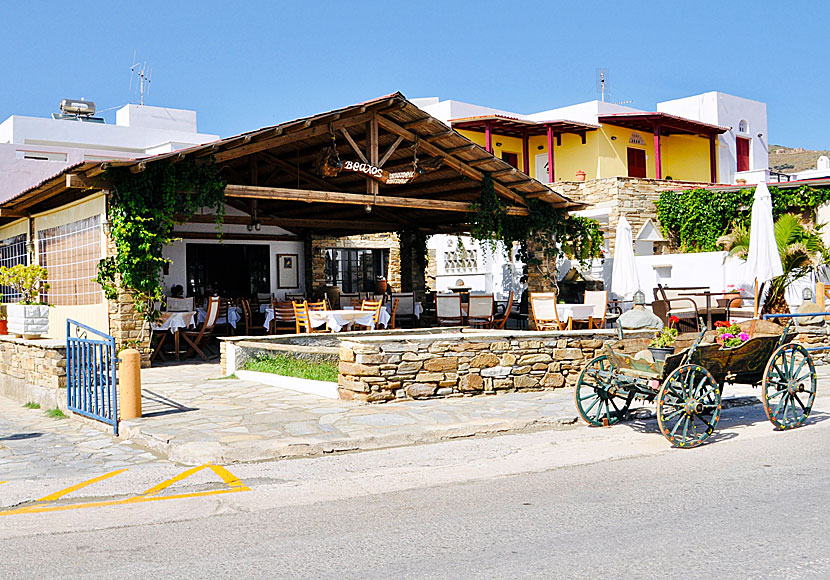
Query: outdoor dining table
(234, 316)
(709, 310)
(574, 311)
(336, 322)
(172, 322)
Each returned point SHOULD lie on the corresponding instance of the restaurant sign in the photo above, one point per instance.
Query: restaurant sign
(389, 178)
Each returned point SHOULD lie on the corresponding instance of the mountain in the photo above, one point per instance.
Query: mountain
(793, 159)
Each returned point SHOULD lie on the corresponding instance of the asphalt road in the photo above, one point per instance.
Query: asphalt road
(580, 503)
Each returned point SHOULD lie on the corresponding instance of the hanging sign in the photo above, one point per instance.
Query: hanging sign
(394, 178)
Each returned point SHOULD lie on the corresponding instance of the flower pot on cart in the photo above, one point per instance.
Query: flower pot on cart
(661, 352)
(28, 320)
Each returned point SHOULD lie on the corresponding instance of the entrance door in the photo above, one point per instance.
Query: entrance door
(743, 154)
(636, 162)
(511, 158)
(230, 270)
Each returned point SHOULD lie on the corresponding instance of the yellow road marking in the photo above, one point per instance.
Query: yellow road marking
(68, 490)
(233, 482)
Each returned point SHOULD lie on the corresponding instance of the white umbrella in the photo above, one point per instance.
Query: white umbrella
(624, 280)
(763, 262)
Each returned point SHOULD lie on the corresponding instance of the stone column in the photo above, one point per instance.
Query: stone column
(125, 323)
(413, 263)
(541, 273)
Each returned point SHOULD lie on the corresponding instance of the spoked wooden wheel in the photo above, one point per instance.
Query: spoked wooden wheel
(688, 406)
(596, 396)
(789, 386)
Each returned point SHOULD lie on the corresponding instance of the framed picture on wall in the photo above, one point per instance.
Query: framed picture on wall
(287, 268)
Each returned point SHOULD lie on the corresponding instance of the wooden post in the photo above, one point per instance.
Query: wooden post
(713, 158)
(372, 154)
(755, 315)
(658, 162)
(550, 154)
(821, 295)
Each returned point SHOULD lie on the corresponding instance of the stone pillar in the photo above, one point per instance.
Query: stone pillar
(308, 263)
(541, 274)
(125, 324)
(413, 263)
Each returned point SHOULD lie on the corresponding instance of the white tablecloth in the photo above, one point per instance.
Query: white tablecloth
(575, 311)
(335, 322)
(419, 308)
(234, 316)
(173, 321)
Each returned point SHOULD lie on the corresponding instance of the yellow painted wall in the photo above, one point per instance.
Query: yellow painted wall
(13, 229)
(686, 158)
(605, 153)
(94, 315)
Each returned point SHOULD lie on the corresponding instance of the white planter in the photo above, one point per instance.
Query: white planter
(28, 321)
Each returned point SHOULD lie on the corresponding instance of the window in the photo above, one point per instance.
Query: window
(355, 270)
(12, 253)
(636, 139)
(636, 162)
(463, 261)
(743, 153)
(743, 127)
(42, 156)
(229, 270)
(71, 253)
(511, 158)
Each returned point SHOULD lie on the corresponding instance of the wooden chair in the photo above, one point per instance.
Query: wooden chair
(393, 313)
(197, 339)
(480, 311)
(294, 297)
(406, 307)
(301, 318)
(283, 317)
(371, 306)
(246, 315)
(498, 323)
(322, 305)
(544, 314)
(448, 309)
(348, 299)
(599, 300)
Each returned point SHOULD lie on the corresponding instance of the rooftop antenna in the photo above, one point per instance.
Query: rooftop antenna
(602, 82)
(144, 78)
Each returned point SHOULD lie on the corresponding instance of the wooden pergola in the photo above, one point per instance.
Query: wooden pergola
(399, 169)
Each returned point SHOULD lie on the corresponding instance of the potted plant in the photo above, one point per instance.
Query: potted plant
(729, 334)
(28, 318)
(661, 346)
(580, 175)
(380, 285)
(731, 297)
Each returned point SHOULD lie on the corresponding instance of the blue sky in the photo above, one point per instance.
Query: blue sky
(247, 64)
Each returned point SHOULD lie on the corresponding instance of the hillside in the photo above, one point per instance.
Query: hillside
(793, 159)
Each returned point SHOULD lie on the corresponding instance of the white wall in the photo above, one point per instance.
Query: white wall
(718, 108)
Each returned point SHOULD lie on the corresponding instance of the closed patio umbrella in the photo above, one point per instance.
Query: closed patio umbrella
(624, 279)
(763, 262)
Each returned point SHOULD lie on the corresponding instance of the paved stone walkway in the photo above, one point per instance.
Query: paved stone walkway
(194, 416)
(34, 445)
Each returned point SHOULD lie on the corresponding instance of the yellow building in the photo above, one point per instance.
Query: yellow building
(633, 144)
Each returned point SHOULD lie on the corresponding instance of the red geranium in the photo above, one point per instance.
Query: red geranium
(722, 324)
(673, 320)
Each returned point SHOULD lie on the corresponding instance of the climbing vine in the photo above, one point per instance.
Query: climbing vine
(553, 231)
(695, 219)
(143, 211)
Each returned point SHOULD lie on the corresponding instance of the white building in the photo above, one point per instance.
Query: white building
(744, 149)
(34, 148)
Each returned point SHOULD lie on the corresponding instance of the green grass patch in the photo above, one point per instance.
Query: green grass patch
(223, 378)
(55, 413)
(32, 406)
(292, 367)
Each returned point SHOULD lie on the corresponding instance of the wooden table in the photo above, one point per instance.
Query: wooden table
(172, 322)
(709, 310)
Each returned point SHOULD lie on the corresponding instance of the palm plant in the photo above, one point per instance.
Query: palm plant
(800, 247)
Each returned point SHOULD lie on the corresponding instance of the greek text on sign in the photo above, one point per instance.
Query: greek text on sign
(396, 178)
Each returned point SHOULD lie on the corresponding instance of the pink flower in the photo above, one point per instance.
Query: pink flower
(743, 336)
(726, 335)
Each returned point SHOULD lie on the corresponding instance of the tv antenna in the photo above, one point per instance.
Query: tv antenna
(602, 83)
(139, 69)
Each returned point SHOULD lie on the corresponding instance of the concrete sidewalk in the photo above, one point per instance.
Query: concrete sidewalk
(193, 416)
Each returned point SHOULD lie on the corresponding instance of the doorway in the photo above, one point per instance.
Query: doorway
(231, 271)
(636, 162)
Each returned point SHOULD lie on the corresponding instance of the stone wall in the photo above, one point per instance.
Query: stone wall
(631, 197)
(316, 246)
(378, 369)
(33, 370)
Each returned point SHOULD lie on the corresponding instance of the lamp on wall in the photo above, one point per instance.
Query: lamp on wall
(498, 144)
(254, 226)
(540, 147)
(106, 226)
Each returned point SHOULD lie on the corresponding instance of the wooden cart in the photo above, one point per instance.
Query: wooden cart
(689, 384)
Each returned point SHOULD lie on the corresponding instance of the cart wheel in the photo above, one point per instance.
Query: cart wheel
(594, 395)
(688, 406)
(789, 386)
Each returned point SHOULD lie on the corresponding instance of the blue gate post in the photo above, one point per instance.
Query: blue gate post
(91, 382)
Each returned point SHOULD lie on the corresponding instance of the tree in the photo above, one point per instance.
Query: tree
(800, 247)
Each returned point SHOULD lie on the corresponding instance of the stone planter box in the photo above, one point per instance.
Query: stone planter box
(27, 320)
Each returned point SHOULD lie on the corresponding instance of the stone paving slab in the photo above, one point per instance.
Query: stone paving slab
(34, 446)
(193, 416)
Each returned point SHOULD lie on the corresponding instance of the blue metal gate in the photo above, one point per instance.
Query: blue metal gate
(91, 387)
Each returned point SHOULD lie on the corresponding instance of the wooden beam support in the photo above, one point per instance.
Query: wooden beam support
(348, 225)
(414, 124)
(460, 166)
(390, 151)
(285, 194)
(252, 237)
(304, 175)
(501, 172)
(355, 148)
(13, 213)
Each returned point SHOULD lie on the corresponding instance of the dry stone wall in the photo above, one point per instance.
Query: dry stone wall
(33, 370)
(386, 368)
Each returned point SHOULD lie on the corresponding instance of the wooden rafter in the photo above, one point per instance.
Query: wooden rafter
(354, 145)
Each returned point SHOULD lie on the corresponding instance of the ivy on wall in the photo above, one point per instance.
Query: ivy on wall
(143, 210)
(555, 231)
(696, 218)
